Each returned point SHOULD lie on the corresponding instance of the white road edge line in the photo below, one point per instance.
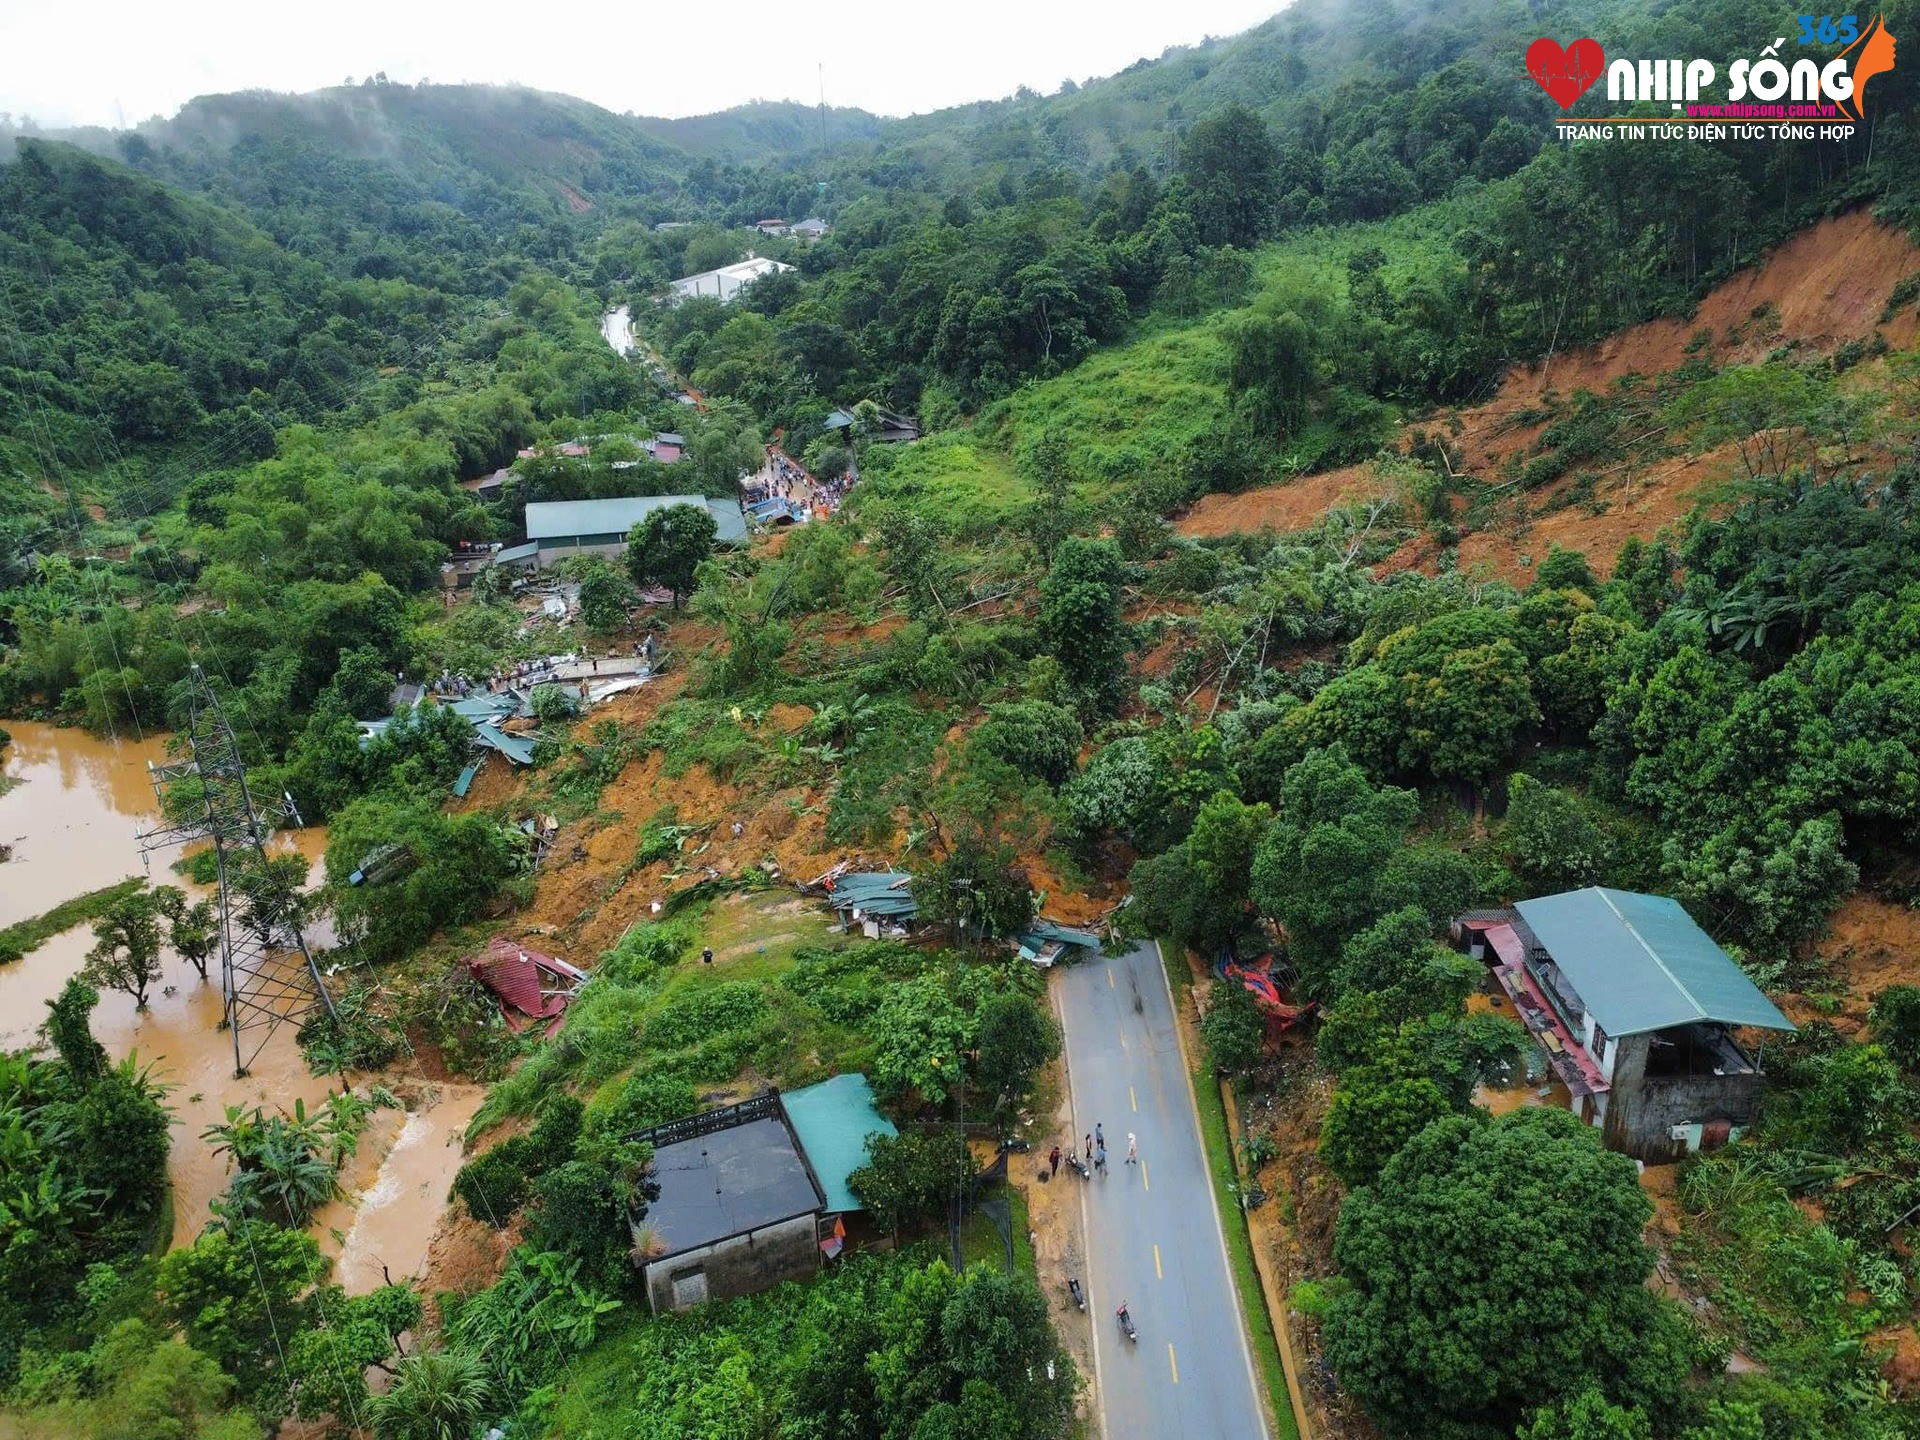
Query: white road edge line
(1206, 1168)
(1093, 1306)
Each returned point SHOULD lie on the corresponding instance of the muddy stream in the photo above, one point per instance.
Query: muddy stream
(70, 804)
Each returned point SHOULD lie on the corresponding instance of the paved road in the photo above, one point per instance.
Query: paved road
(1153, 1234)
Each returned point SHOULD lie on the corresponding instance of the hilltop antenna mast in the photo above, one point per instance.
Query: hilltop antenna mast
(267, 973)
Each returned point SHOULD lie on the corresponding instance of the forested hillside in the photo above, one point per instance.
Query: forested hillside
(1342, 507)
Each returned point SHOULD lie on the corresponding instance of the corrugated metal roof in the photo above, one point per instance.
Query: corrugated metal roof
(884, 892)
(567, 519)
(1640, 963)
(833, 1120)
(728, 1182)
(517, 748)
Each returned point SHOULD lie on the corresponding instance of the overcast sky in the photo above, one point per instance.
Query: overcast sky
(118, 62)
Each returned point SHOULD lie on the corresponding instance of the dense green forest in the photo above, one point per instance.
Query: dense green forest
(250, 353)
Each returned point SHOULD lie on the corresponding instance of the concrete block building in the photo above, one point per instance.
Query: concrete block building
(1636, 1010)
(744, 1197)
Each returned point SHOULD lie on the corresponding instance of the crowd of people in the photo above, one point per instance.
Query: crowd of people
(784, 478)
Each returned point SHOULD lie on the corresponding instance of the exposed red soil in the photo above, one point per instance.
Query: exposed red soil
(840, 631)
(1291, 505)
(1064, 905)
(1827, 285)
(590, 889)
(1658, 498)
(466, 1255)
(1870, 944)
(1902, 1365)
(788, 718)
(1824, 288)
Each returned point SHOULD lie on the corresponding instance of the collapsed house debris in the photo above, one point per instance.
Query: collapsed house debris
(532, 988)
(1257, 979)
(1045, 943)
(877, 903)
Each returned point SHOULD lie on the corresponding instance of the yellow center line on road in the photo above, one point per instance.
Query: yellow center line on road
(1132, 1101)
(1143, 1176)
(1156, 1264)
(1173, 1361)
(1110, 980)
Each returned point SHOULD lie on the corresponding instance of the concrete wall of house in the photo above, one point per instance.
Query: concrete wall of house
(552, 552)
(741, 1264)
(1642, 1111)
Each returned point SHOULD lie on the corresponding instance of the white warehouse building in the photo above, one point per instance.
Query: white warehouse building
(728, 281)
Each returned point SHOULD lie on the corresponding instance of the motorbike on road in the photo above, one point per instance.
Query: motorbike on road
(1126, 1322)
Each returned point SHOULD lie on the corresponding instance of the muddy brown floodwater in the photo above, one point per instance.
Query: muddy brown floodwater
(70, 808)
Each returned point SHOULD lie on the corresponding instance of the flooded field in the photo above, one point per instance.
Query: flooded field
(71, 808)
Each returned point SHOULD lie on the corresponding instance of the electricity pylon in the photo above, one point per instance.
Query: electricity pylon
(267, 974)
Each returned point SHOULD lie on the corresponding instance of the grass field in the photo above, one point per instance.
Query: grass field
(965, 480)
(29, 935)
(1134, 409)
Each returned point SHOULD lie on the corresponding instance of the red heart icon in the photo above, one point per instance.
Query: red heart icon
(1566, 74)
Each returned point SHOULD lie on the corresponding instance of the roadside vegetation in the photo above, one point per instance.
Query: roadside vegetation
(232, 435)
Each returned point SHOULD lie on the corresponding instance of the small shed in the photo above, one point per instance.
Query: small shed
(734, 1206)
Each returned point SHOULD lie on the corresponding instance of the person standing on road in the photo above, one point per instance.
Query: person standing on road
(1089, 1149)
(1099, 1135)
(1133, 1149)
(1053, 1163)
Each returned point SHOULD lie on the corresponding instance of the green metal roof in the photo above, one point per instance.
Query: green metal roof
(1044, 932)
(884, 892)
(1640, 963)
(833, 1120)
(576, 519)
(517, 748)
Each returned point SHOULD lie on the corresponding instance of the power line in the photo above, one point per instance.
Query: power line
(263, 950)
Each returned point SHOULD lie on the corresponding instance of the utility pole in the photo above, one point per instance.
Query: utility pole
(267, 973)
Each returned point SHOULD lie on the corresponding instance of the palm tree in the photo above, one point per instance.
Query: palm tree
(435, 1396)
(280, 1162)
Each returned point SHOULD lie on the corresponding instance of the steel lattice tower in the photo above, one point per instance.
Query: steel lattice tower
(267, 973)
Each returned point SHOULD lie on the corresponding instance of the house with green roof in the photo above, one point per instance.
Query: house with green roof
(557, 529)
(752, 1194)
(1639, 1013)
